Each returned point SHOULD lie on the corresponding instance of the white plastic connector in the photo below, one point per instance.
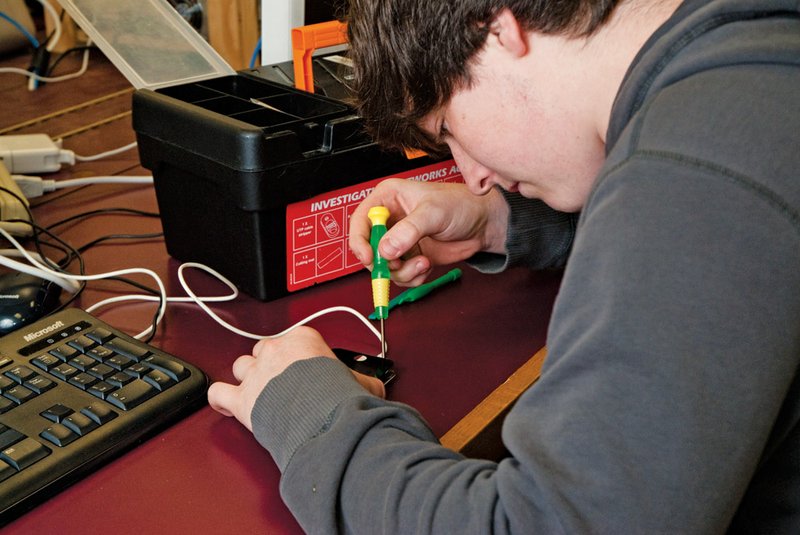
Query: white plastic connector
(34, 186)
(11, 207)
(33, 153)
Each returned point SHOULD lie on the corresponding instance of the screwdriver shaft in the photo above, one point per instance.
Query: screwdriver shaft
(383, 340)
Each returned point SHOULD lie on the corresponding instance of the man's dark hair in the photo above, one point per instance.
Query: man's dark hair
(411, 55)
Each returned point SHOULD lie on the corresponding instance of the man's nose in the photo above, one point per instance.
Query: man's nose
(476, 176)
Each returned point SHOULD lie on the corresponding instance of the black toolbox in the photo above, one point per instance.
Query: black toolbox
(254, 178)
(261, 195)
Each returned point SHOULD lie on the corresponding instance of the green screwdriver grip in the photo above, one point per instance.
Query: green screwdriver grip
(378, 215)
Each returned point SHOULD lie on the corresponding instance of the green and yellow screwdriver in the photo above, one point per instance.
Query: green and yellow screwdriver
(380, 269)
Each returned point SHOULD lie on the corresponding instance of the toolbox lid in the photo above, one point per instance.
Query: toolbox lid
(148, 41)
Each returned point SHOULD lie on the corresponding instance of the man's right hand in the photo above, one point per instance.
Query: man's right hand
(430, 224)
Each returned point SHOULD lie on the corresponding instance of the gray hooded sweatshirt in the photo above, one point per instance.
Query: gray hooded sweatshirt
(670, 398)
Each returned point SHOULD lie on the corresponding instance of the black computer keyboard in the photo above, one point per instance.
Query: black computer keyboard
(76, 393)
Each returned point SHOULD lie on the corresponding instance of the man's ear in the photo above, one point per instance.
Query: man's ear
(510, 35)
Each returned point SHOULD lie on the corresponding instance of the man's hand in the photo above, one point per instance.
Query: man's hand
(269, 359)
(430, 224)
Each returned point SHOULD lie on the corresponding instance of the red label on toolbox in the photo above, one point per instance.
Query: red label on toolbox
(317, 228)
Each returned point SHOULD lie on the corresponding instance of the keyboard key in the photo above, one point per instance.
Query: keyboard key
(83, 380)
(102, 371)
(57, 413)
(118, 362)
(133, 351)
(160, 380)
(101, 389)
(82, 362)
(19, 394)
(5, 361)
(137, 370)
(131, 395)
(58, 434)
(20, 374)
(99, 412)
(64, 371)
(82, 343)
(120, 379)
(9, 437)
(174, 369)
(46, 362)
(100, 353)
(79, 423)
(24, 453)
(100, 335)
(64, 352)
(40, 384)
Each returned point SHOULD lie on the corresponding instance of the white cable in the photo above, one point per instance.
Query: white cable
(68, 285)
(35, 186)
(206, 299)
(56, 24)
(201, 302)
(99, 276)
(33, 75)
(76, 182)
(50, 79)
(105, 154)
(253, 336)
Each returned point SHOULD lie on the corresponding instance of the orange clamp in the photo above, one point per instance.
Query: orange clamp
(305, 40)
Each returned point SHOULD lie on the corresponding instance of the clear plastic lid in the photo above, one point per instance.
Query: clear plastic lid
(148, 41)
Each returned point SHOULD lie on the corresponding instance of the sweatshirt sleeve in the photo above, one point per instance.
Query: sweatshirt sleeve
(670, 354)
(538, 237)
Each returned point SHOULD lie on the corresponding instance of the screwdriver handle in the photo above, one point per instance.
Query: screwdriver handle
(380, 268)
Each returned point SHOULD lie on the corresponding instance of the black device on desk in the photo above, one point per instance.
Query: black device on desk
(76, 393)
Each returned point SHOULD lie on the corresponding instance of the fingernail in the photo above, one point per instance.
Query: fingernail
(421, 269)
(389, 248)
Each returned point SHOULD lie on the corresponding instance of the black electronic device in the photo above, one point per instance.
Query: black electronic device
(379, 367)
(25, 298)
(75, 393)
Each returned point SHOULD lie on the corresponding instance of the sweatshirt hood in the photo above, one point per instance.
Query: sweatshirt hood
(696, 23)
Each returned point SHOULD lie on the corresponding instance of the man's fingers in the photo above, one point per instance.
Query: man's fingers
(219, 397)
(225, 398)
(241, 366)
(412, 272)
(401, 238)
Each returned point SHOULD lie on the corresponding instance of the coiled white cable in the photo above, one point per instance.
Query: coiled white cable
(68, 281)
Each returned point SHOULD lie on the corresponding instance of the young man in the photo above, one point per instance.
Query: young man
(670, 399)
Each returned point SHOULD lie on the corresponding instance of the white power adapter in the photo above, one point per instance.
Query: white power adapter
(33, 153)
(12, 207)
